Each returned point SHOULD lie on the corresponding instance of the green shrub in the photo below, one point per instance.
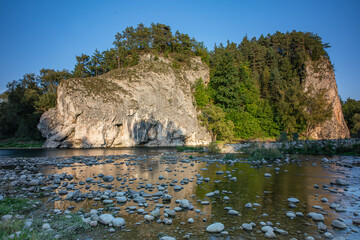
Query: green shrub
(265, 153)
(214, 148)
(229, 156)
(283, 137)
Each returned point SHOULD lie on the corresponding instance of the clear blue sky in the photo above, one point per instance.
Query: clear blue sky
(50, 33)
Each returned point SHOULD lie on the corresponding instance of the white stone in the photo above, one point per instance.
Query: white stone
(316, 216)
(266, 229)
(6, 218)
(118, 222)
(106, 218)
(149, 217)
(293, 200)
(270, 234)
(338, 224)
(247, 226)
(215, 227)
(184, 203)
(46, 226)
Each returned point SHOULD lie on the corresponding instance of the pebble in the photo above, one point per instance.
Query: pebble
(293, 200)
(167, 238)
(149, 217)
(6, 217)
(106, 218)
(233, 212)
(316, 216)
(322, 227)
(266, 229)
(93, 223)
(215, 227)
(247, 226)
(118, 222)
(46, 226)
(167, 221)
(270, 234)
(184, 203)
(248, 205)
(338, 224)
(291, 215)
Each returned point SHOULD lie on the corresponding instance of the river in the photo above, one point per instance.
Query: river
(237, 180)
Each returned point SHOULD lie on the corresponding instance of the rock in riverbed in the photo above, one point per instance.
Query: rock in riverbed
(215, 227)
(106, 218)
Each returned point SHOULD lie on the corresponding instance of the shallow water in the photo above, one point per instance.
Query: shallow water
(292, 180)
(65, 152)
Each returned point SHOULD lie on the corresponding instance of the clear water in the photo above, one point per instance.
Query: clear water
(292, 180)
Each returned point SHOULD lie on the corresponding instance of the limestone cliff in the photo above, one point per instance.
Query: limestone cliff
(150, 104)
(320, 75)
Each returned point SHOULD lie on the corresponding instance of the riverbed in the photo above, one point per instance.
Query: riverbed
(233, 192)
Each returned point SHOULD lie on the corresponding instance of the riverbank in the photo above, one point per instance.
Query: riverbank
(312, 147)
(20, 144)
(181, 195)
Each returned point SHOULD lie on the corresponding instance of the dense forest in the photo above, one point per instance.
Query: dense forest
(255, 90)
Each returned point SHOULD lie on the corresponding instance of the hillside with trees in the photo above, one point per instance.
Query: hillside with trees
(256, 87)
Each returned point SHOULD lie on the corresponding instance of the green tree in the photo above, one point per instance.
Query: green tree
(82, 66)
(317, 109)
(202, 97)
(213, 117)
(351, 110)
(49, 80)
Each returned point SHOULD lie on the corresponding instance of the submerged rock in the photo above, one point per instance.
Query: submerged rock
(338, 224)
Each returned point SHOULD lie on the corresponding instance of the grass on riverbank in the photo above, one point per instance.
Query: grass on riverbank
(16, 205)
(64, 226)
(19, 143)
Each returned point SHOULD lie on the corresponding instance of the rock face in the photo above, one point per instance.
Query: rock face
(150, 104)
(321, 76)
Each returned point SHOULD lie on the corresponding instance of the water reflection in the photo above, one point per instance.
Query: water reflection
(81, 152)
(291, 180)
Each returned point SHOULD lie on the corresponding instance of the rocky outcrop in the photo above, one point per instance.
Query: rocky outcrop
(150, 104)
(320, 75)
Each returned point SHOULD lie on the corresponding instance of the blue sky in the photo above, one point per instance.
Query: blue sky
(50, 33)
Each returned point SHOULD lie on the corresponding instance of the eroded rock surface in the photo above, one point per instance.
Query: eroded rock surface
(150, 104)
(321, 76)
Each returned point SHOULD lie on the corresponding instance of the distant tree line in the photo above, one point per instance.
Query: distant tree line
(256, 87)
